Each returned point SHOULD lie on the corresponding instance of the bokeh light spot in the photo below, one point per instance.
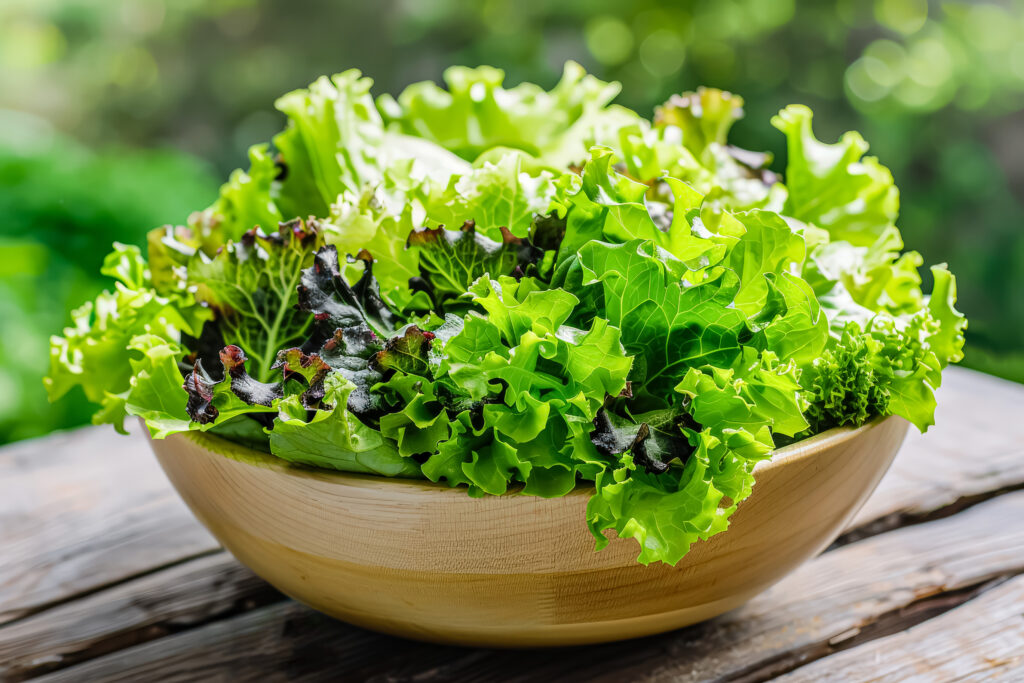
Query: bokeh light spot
(904, 16)
(609, 40)
(662, 53)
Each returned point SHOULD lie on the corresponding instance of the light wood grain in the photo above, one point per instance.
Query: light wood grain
(934, 475)
(823, 605)
(83, 510)
(89, 508)
(981, 641)
(425, 561)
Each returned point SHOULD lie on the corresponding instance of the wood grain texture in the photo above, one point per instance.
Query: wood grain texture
(850, 593)
(68, 500)
(825, 605)
(283, 642)
(975, 449)
(425, 561)
(153, 606)
(982, 640)
(934, 475)
(83, 510)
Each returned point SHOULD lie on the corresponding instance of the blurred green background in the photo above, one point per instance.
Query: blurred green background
(119, 116)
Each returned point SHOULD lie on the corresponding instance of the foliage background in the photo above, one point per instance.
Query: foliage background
(118, 116)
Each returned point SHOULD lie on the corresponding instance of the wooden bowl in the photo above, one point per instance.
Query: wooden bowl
(421, 560)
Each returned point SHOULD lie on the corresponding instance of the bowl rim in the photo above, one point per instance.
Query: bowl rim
(218, 445)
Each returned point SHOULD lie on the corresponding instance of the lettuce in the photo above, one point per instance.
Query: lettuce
(519, 290)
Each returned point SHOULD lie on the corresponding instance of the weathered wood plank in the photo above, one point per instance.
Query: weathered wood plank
(148, 608)
(67, 501)
(828, 601)
(83, 510)
(982, 640)
(87, 510)
(975, 448)
(282, 642)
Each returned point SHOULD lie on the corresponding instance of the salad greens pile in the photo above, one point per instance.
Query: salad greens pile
(518, 288)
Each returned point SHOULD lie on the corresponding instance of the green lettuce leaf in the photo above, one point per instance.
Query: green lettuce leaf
(494, 196)
(252, 286)
(835, 186)
(635, 306)
(363, 224)
(668, 325)
(93, 353)
(452, 260)
(476, 114)
(666, 513)
(334, 438)
(508, 398)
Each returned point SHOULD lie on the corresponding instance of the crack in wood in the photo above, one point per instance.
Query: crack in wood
(921, 609)
(32, 611)
(149, 612)
(230, 590)
(900, 619)
(901, 520)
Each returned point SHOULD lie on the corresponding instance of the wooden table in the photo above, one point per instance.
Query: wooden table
(104, 575)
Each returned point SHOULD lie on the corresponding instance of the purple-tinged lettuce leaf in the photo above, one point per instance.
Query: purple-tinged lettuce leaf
(251, 285)
(406, 353)
(324, 292)
(334, 438)
(311, 368)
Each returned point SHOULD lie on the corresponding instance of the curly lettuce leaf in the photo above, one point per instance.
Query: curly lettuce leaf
(334, 148)
(665, 513)
(889, 366)
(688, 142)
(792, 322)
(668, 325)
(835, 186)
(452, 260)
(769, 245)
(477, 114)
(672, 502)
(92, 354)
(244, 200)
(508, 398)
(495, 196)
(703, 117)
(334, 438)
(875, 277)
(764, 394)
(948, 340)
(605, 205)
(251, 285)
(336, 144)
